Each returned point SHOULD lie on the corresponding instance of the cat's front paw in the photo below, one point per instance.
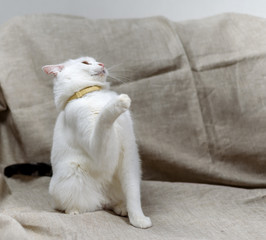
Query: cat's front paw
(124, 101)
(72, 211)
(140, 221)
(120, 209)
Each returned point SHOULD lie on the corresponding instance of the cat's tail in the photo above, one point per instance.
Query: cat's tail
(29, 169)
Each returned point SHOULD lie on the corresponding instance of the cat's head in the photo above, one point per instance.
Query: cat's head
(74, 75)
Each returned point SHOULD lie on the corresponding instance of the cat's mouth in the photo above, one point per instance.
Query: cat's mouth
(101, 73)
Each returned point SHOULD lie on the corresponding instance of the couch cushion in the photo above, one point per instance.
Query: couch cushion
(178, 211)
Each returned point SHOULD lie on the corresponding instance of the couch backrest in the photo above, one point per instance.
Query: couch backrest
(197, 87)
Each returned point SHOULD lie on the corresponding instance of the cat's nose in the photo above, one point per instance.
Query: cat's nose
(101, 64)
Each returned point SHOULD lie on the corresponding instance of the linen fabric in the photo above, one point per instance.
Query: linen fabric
(198, 93)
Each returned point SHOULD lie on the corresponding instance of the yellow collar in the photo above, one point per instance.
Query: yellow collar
(82, 92)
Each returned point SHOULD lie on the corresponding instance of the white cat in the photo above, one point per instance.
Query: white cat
(94, 156)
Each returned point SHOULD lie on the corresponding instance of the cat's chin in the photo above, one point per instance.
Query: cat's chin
(99, 78)
(102, 73)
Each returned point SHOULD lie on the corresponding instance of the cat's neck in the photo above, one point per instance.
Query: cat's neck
(83, 92)
(62, 95)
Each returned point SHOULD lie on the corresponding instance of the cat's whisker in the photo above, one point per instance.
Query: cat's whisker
(116, 79)
(119, 78)
(114, 66)
(121, 73)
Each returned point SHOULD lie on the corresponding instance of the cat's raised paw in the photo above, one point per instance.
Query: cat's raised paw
(140, 221)
(124, 101)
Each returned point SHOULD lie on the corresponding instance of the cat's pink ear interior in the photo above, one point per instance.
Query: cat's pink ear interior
(53, 69)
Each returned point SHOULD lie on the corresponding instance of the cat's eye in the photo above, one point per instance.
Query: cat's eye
(85, 62)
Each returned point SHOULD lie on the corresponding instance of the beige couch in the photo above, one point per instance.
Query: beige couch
(199, 104)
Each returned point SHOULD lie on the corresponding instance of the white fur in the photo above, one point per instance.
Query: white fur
(94, 156)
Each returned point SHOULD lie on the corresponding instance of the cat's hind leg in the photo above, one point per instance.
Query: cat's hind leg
(120, 209)
(74, 191)
(116, 199)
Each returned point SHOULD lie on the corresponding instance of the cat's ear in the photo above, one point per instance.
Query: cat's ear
(53, 69)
